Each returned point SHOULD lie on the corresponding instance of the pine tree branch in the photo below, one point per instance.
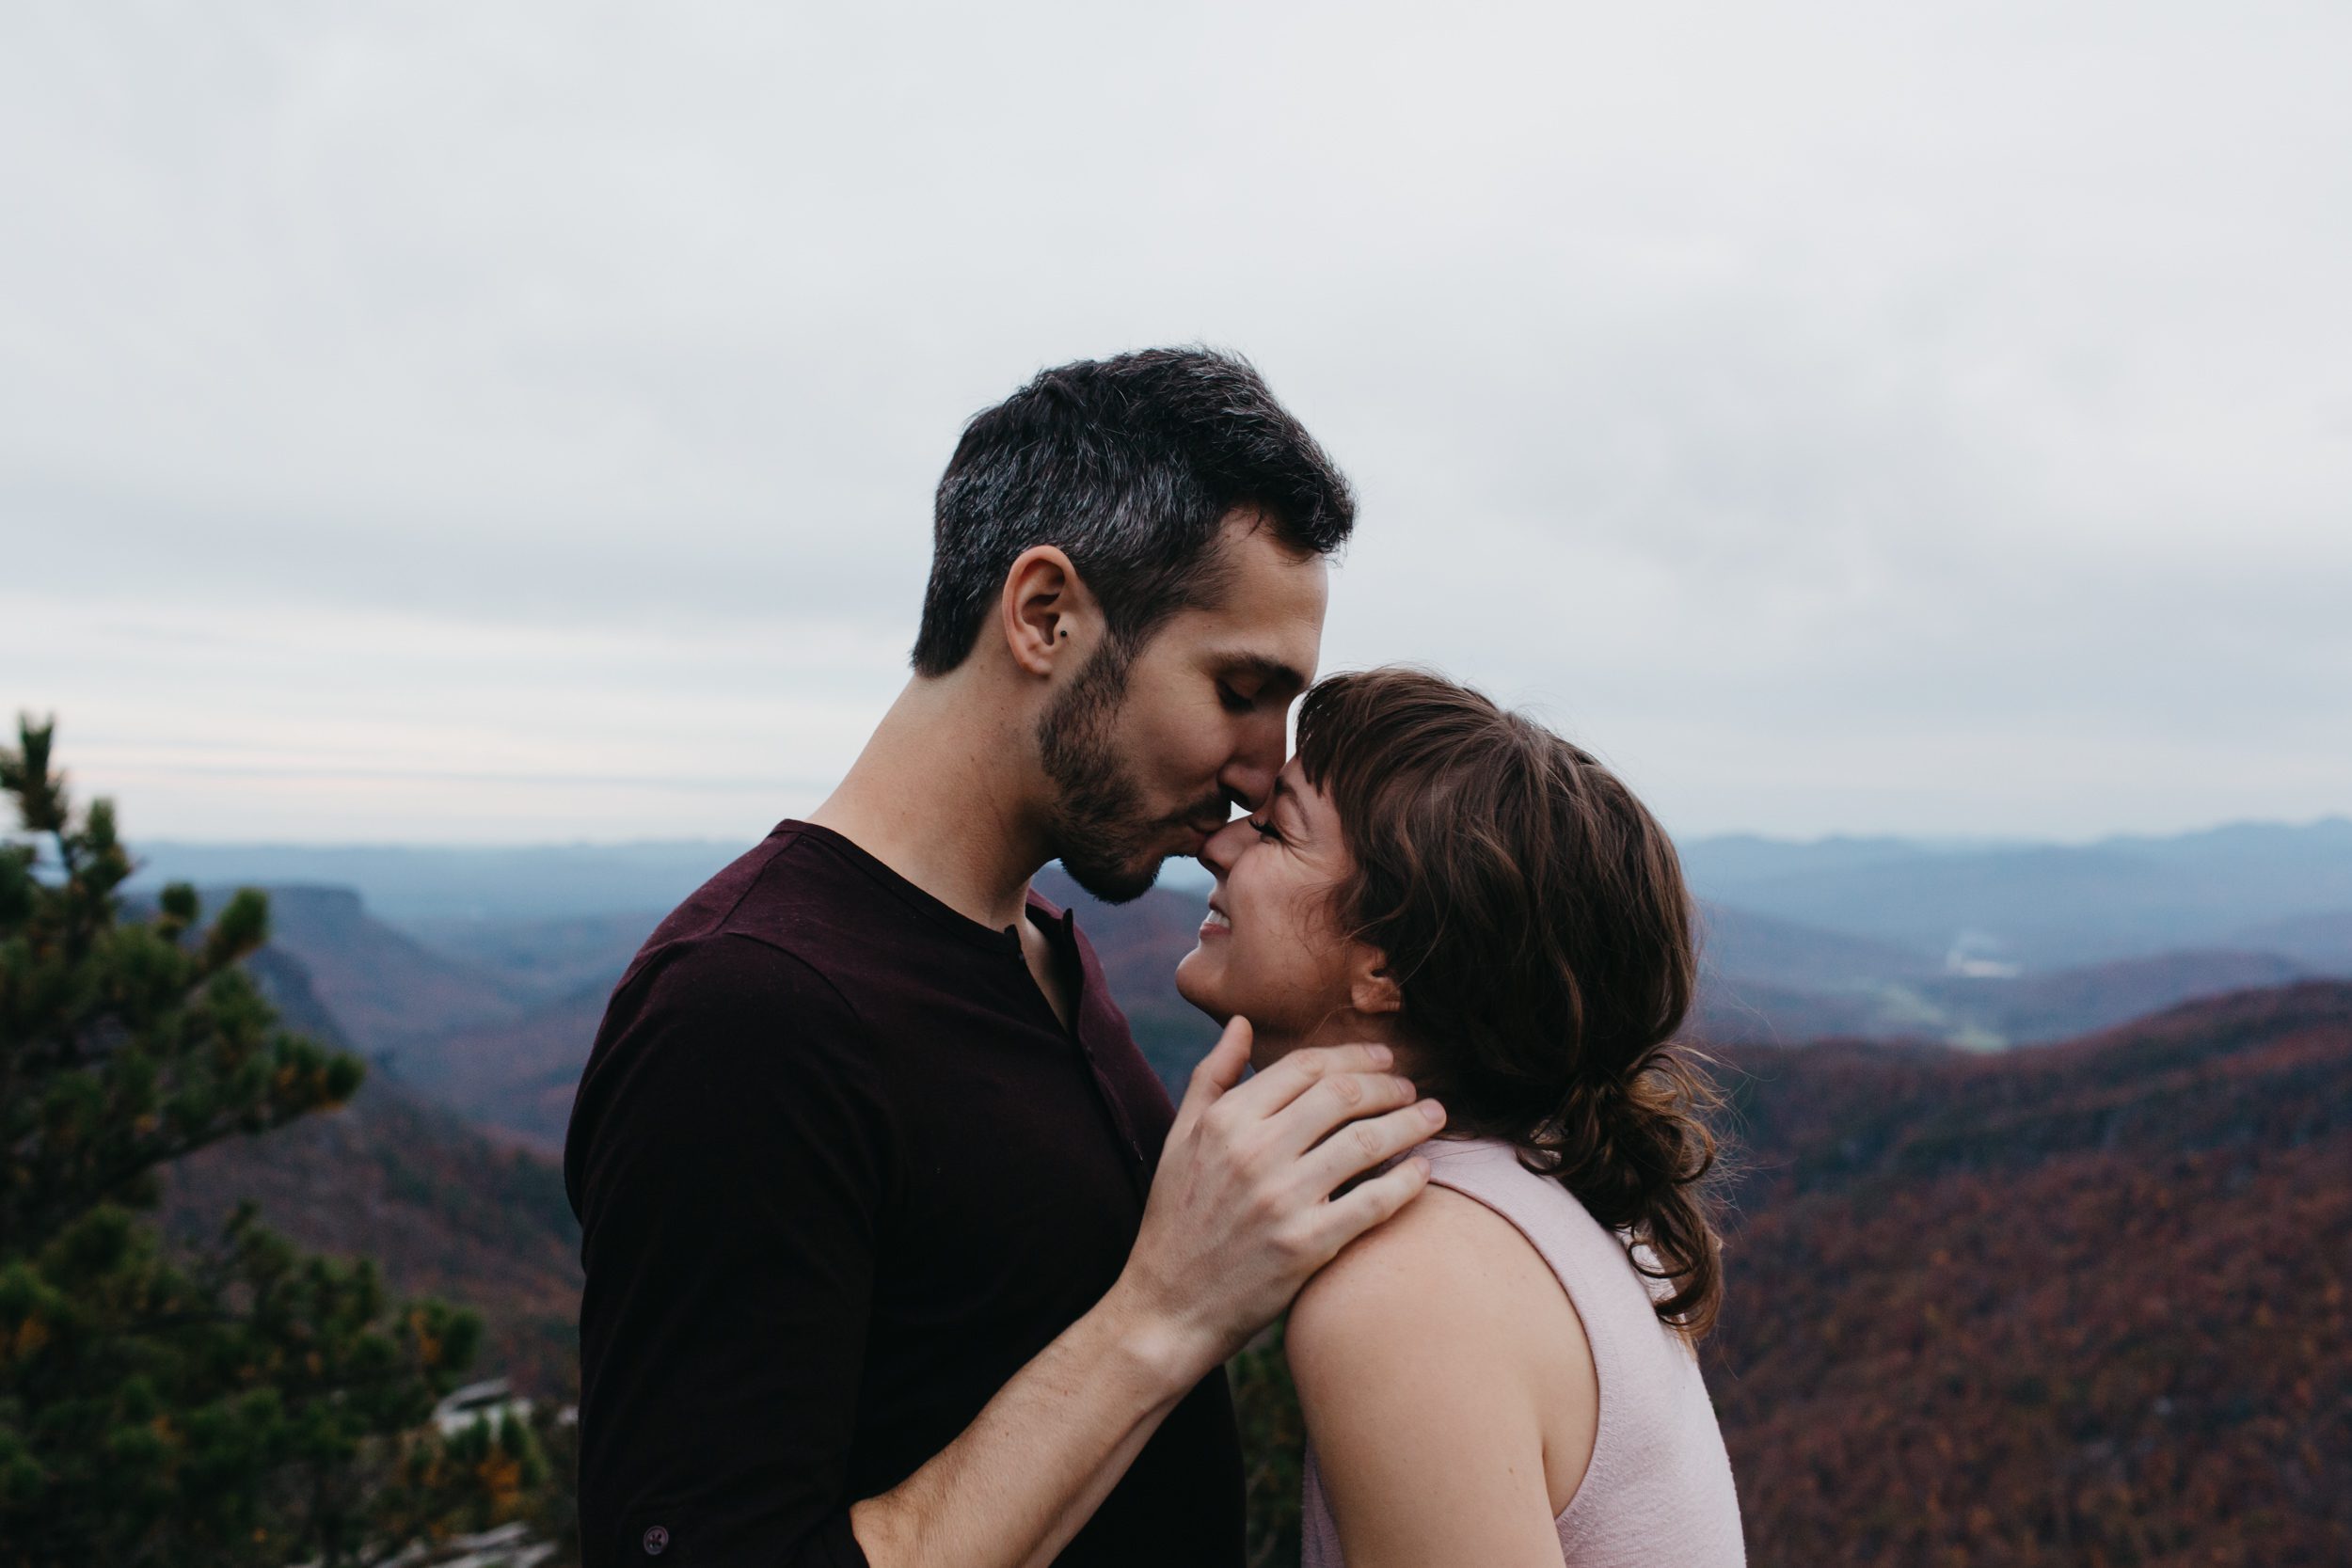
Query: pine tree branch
(73, 1197)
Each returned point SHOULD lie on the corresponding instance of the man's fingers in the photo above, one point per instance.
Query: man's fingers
(1217, 1071)
(1338, 1098)
(1301, 1070)
(1346, 1218)
(1361, 1145)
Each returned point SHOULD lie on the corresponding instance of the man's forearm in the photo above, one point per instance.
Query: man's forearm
(1240, 1214)
(1042, 1456)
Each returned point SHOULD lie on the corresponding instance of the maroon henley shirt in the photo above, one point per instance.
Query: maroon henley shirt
(841, 1173)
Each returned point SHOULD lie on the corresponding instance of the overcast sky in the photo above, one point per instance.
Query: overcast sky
(517, 422)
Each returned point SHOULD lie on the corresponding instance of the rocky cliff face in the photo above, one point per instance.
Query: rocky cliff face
(443, 1209)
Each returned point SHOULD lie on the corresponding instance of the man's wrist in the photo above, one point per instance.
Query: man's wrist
(1164, 1352)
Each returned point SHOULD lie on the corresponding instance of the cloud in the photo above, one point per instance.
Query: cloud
(1929, 418)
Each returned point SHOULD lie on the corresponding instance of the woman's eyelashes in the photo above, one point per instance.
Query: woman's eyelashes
(1265, 829)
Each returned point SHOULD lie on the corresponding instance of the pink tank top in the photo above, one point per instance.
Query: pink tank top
(1658, 1489)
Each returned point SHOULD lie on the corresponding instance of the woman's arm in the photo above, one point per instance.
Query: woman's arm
(1428, 1359)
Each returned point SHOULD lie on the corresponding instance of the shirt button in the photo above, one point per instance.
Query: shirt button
(657, 1541)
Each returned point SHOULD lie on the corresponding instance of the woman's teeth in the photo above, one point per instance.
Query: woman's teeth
(1216, 917)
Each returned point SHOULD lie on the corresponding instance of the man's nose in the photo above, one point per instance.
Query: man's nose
(1225, 846)
(1249, 776)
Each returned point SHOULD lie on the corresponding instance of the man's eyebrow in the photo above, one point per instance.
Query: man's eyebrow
(1273, 674)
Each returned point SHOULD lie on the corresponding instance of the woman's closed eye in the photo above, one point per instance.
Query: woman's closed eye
(1265, 829)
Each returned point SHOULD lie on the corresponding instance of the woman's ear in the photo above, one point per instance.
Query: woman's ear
(1370, 988)
(1045, 609)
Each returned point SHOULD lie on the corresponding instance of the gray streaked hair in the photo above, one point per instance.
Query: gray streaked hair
(1130, 466)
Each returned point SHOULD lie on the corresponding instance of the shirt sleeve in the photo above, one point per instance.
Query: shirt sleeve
(729, 1158)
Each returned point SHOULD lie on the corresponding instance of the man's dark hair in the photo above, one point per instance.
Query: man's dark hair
(1129, 465)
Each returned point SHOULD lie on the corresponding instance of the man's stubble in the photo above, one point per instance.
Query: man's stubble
(1098, 825)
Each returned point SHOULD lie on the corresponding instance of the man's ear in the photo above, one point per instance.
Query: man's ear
(1046, 610)
(1370, 988)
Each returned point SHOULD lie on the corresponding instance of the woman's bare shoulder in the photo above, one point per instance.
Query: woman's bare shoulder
(1446, 1269)
(1421, 1355)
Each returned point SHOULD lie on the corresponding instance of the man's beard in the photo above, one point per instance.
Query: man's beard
(1098, 827)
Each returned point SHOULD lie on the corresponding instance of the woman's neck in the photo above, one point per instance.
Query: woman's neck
(1345, 1027)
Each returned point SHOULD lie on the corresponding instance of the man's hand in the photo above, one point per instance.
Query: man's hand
(1241, 1212)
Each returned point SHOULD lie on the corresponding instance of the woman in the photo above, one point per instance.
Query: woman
(1504, 1374)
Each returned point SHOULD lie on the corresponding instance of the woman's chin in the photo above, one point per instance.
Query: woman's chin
(1195, 985)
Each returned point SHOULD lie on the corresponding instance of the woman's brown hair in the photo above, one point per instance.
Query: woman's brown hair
(1533, 916)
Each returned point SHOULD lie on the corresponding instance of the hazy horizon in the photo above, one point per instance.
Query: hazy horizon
(2110, 898)
(1957, 842)
(1925, 842)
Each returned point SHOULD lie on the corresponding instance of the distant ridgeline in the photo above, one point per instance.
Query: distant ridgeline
(480, 974)
(406, 882)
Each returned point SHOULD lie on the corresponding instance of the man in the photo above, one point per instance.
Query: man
(897, 1254)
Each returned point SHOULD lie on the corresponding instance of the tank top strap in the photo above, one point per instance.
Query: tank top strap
(1589, 1260)
(1659, 1487)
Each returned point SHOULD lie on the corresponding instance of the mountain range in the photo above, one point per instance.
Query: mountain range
(2080, 1304)
(2077, 1303)
(1983, 944)
(2046, 905)
(2065, 1303)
